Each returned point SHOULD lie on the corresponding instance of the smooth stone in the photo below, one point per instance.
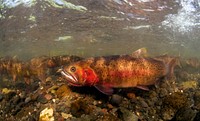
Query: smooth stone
(116, 99)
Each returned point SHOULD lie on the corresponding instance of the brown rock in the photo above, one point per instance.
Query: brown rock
(63, 91)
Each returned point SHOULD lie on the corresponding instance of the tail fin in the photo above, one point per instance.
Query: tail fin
(170, 62)
(170, 67)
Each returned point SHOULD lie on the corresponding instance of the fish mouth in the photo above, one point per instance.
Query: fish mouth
(70, 78)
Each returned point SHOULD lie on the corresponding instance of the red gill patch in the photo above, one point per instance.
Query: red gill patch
(90, 76)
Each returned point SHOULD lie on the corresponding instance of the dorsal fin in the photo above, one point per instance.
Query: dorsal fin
(140, 53)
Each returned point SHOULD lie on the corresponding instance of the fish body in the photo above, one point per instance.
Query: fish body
(119, 71)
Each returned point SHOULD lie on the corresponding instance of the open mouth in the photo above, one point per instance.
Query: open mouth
(70, 78)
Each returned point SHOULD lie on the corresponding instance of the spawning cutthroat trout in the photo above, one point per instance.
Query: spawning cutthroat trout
(118, 71)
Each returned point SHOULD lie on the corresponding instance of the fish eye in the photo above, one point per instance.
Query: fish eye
(73, 69)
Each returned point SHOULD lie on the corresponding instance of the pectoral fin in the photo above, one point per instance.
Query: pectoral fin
(143, 87)
(140, 53)
(105, 89)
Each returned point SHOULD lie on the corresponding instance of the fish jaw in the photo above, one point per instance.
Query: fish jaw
(70, 78)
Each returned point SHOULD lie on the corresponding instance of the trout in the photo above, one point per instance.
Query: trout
(118, 71)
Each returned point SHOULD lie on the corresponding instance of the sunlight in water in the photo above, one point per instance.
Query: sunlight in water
(186, 19)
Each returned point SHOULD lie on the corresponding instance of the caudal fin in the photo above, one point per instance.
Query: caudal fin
(170, 64)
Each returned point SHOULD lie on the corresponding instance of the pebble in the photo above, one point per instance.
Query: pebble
(163, 92)
(128, 115)
(48, 96)
(28, 99)
(46, 115)
(66, 116)
(16, 100)
(22, 94)
(1, 97)
(144, 104)
(110, 106)
(185, 114)
(131, 96)
(63, 91)
(116, 99)
(168, 114)
(42, 99)
(9, 95)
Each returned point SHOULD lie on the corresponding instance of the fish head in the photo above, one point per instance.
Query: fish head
(79, 75)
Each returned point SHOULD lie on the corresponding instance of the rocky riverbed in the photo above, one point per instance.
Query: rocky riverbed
(175, 99)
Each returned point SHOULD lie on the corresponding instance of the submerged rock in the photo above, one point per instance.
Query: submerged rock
(172, 103)
(197, 100)
(176, 100)
(116, 99)
(128, 115)
(1, 97)
(185, 114)
(46, 115)
(80, 107)
(62, 91)
(42, 99)
(197, 117)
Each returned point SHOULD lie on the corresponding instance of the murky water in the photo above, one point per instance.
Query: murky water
(30, 28)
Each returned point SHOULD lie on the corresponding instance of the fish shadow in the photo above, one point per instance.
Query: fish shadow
(91, 91)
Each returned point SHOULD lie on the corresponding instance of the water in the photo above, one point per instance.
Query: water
(31, 28)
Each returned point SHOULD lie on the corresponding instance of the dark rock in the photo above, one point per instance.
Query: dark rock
(10, 95)
(197, 117)
(172, 103)
(80, 107)
(176, 100)
(185, 114)
(116, 99)
(16, 110)
(1, 97)
(16, 100)
(163, 92)
(144, 104)
(42, 99)
(197, 99)
(20, 86)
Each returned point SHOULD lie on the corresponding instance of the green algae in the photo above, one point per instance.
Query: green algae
(49, 3)
(111, 18)
(64, 38)
(12, 4)
(65, 4)
(189, 84)
(32, 18)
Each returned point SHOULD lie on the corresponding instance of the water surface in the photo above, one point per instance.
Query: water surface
(32, 28)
